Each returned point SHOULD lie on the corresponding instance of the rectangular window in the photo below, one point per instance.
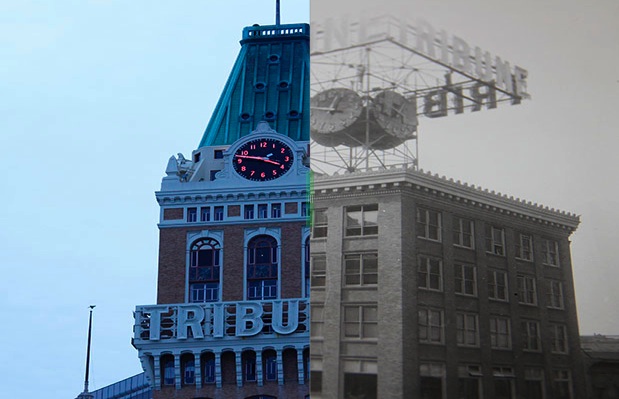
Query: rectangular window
(500, 333)
(205, 214)
(469, 382)
(524, 247)
(262, 289)
(467, 331)
(320, 223)
(430, 274)
(497, 285)
(263, 211)
(559, 339)
(463, 232)
(534, 383)
(554, 294)
(318, 270)
(530, 336)
(218, 154)
(428, 224)
(431, 381)
(248, 211)
(316, 320)
(219, 213)
(361, 321)
(495, 240)
(276, 211)
(503, 382)
(466, 279)
(362, 220)
(192, 214)
(204, 292)
(305, 209)
(361, 269)
(562, 384)
(431, 326)
(550, 250)
(527, 291)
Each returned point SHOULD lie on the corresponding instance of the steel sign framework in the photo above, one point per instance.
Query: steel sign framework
(401, 73)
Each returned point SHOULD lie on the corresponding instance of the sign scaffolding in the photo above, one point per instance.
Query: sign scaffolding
(374, 79)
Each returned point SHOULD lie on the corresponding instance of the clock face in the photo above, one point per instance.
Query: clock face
(263, 159)
(396, 114)
(334, 110)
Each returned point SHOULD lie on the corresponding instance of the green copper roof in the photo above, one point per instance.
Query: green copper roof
(269, 81)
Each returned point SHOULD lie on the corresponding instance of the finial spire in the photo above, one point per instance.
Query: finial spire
(277, 22)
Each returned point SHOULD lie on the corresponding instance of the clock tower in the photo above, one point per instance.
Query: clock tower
(232, 311)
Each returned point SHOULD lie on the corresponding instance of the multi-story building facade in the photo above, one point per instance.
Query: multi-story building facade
(232, 313)
(423, 287)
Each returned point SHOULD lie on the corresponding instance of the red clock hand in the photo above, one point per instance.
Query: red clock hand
(263, 159)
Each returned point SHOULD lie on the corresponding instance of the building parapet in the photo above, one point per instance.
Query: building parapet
(441, 186)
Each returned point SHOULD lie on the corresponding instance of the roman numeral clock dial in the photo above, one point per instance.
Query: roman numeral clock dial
(263, 159)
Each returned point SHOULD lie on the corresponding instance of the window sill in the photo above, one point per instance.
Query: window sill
(464, 247)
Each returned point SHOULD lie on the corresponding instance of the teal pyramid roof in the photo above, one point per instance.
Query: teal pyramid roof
(269, 81)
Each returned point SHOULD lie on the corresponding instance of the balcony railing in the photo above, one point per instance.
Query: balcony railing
(220, 320)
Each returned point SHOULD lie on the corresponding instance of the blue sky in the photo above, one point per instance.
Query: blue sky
(96, 96)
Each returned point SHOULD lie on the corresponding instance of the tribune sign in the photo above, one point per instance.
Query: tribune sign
(485, 79)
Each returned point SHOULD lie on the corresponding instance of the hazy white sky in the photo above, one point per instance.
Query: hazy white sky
(96, 95)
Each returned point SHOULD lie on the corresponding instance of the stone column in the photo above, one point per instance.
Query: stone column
(280, 367)
(198, 367)
(300, 366)
(259, 374)
(218, 369)
(239, 368)
(157, 372)
(177, 370)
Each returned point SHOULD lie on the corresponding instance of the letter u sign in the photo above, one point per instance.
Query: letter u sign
(278, 317)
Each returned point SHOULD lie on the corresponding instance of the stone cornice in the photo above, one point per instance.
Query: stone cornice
(377, 180)
(193, 196)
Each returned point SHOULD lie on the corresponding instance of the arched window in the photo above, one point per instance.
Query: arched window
(204, 264)
(306, 268)
(262, 268)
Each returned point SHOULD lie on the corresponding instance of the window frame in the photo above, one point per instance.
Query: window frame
(364, 323)
(495, 334)
(425, 228)
(531, 342)
(460, 287)
(459, 234)
(320, 223)
(367, 227)
(461, 333)
(363, 259)
(492, 246)
(521, 248)
(550, 249)
(559, 343)
(427, 281)
(552, 297)
(527, 290)
(493, 289)
(431, 316)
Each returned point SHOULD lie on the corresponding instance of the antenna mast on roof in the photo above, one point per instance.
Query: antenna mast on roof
(277, 12)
